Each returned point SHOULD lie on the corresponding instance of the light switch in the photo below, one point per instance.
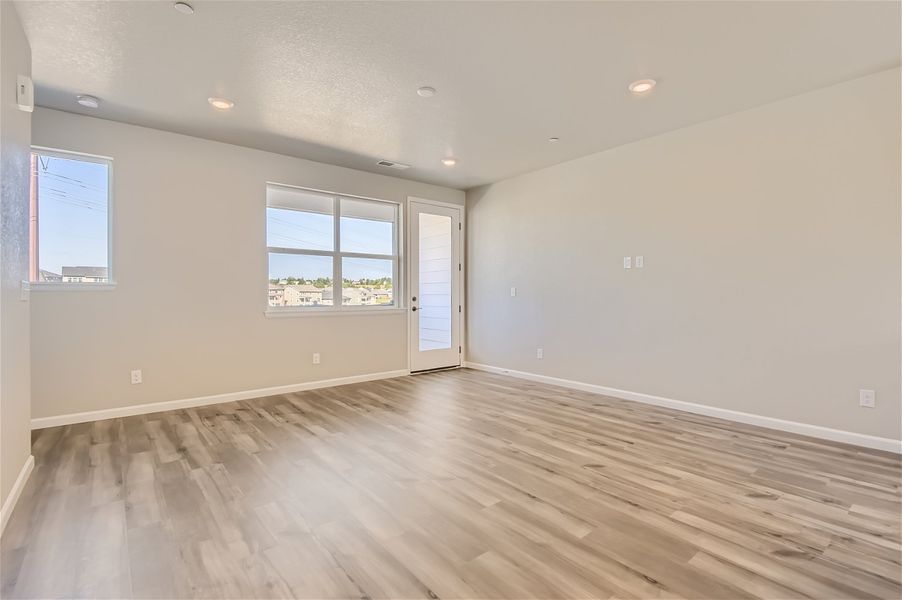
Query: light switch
(627, 262)
(513, 292)
(640, 262)
(866, 398)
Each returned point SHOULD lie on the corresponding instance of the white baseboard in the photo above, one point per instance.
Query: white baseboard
(816, 431)
(142, 409)
(10, 503)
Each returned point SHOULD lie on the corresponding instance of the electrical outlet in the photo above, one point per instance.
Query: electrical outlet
(513, 292)
(316, 358)
(866, 398)
(540, 353)
(137, 377)
(640, 262)
(627, 262)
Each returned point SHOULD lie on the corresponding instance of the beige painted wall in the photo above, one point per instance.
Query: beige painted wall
(190, 262)
(15, 139)
(772, 262)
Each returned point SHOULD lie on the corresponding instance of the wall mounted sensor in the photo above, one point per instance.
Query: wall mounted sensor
(25, 93)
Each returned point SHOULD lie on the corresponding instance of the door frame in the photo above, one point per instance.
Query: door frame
(461, 274)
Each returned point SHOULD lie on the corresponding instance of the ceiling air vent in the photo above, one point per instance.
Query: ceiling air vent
(392, 165)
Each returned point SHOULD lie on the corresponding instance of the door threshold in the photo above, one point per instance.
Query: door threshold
(435, 370)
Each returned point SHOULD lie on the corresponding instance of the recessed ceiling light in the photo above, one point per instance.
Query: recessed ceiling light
(449, 162)
(184, 8)
(554, 139)
(642, 86)
(426, 92)
(221, 103)
(88, 101)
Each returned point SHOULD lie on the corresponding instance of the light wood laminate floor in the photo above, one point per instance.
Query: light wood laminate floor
(458, 484)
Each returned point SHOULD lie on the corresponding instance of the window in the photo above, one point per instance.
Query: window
(69, 218)
(329, 252)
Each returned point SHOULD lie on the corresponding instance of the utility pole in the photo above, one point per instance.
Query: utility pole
(33, 264)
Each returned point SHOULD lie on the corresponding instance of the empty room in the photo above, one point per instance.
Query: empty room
(451, 300)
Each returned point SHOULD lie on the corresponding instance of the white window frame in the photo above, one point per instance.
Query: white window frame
(340, 309)
(110, 283)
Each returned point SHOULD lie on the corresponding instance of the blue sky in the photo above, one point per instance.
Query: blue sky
(294, 229)
(72, 213)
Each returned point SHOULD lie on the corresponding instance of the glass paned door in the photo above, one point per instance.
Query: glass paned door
(435, 286)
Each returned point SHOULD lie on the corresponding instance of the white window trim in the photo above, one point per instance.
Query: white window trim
(110, 284)
(396, 257)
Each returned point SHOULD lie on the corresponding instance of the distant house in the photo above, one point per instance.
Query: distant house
(295, 295)
(84, 274)
(49, 276)
(303, 295)
(276, 294)
(353, 296)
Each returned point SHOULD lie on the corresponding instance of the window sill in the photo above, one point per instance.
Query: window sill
(276, 314)
(50, 286)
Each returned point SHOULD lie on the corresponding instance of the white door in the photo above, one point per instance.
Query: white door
(434, 292)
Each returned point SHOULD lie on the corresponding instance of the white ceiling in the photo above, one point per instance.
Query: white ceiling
(336, 82)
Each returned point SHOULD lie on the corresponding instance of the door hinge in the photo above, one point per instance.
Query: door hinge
(458, 267)
(460, 349)
(460, 227)
(458, 308)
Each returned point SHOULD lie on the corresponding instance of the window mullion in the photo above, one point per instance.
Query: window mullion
(280, 250)
(397, 298)
(366, 255)
(336, 258)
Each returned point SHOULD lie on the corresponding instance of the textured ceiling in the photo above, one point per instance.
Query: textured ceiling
(336, 81)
